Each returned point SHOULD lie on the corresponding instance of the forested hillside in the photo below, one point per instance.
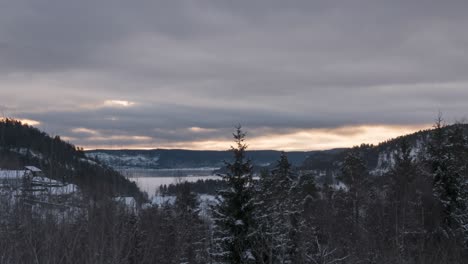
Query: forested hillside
(22, 145)
(379, 158)
(178, 158)
(415, 211)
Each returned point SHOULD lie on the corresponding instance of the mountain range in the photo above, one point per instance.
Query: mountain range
(178, 158)
(379, 158)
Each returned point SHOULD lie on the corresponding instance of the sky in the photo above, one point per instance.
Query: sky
(298, 75)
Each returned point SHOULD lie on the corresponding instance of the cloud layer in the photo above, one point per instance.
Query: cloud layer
(173, 73)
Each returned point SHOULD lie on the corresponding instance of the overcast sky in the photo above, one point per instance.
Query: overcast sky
(296, 74)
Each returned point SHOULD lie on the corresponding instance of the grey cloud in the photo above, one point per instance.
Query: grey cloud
(268, 64)
(172, 123)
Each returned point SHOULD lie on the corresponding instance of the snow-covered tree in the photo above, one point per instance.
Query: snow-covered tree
(233, 215)
(275, 210)
(355, 175)
(190, 227)
(404, 203)
(447, 151)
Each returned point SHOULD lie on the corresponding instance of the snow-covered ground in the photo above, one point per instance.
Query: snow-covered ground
(24, 152)
(44, 195)
(205, 202)
(125, 161)
(170, 199)
(386, 159)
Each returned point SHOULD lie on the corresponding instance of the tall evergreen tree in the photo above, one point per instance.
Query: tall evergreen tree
(190, 227)
(355, 175)
(455, 192)
(404, 202)
(275, 210)
(233, 215)
(447, 152)
(263, 210)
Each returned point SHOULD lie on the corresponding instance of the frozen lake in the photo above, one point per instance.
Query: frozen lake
(149, 180)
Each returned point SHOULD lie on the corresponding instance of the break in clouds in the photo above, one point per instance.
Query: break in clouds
(171, 73)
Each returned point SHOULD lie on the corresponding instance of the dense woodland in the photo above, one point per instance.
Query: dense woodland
(22, 145)
(414, 213)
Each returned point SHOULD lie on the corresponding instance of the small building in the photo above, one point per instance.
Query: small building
(17, 178)
(31, 186)
(34, 170)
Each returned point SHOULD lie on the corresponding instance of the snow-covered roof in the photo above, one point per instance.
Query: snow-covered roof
(33, 168)
(45, 180)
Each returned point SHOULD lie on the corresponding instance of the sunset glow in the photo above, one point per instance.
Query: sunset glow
(118, 103)
(26, 121)
(300, 140)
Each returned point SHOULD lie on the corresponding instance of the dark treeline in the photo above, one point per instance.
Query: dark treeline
(414, 213)
(103, 232)
(22, 145)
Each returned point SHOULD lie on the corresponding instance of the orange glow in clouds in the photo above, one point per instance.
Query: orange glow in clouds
(299, 140)
(25, 121)
(321, 139)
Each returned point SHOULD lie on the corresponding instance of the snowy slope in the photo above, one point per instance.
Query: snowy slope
(123, 160)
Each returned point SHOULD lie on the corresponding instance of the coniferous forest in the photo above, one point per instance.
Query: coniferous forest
(119, 141)
(416, 212)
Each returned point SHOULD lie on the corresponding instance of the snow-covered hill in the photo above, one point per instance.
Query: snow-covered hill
(125, 160)
(177, 159)
(379, 158)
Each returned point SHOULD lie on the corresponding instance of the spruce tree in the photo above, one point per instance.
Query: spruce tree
(190, 227)
(355, 175)
(233, 214)
(455, 191)
(262, 214)
(275, 211)
(447, 152)
(403, 198)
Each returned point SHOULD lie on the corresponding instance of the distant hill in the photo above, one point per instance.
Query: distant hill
(177, 158)
(22, 145)
(379, 158)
